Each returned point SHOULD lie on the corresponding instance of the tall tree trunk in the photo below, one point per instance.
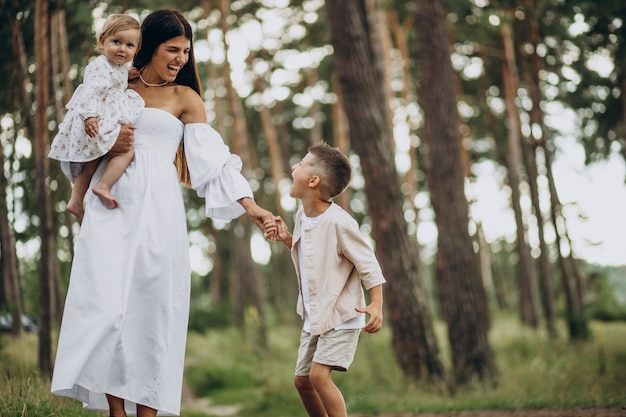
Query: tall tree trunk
(514, 167)
(40, 145)
(10, 272)
(360, 76)
(341, 134)
(277, 166)
(399, 32)
(57, 29)
(317, 135)
(577, 324)
(246, 271)
(576, 321)
(281, 283)
(461, 293)
(536, 119)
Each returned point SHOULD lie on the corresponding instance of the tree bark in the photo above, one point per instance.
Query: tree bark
(461, 293)
(536, 119)
(360, 77)
(46, 265)
(525, 274)
(246, 272)
(10, 271)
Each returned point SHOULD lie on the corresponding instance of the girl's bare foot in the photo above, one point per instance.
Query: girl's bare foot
(75, 208)
(102, 191)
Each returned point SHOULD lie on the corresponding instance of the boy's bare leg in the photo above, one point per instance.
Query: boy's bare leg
(144, 411)
(309, 397)
(328, 392)
(116, 406)
(114, 170)
(79, 189)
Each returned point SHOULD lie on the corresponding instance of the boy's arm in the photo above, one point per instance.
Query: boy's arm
(374, 309)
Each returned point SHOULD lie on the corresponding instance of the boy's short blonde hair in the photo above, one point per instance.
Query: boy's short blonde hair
(114, 24)
(335, 166)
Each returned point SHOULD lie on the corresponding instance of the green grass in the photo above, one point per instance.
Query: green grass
(24, 392)
(228, 368)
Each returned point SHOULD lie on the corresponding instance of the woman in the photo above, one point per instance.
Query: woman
(122, 341)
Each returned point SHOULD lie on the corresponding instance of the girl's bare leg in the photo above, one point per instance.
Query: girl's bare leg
(116, 406)
(75, 205)
(114, 170)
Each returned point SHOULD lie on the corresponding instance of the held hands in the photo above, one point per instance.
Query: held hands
(261, 217)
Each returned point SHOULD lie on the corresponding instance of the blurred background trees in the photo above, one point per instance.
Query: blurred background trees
(422, 95)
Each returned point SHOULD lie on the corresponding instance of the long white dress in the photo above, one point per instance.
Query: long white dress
(125, 320)
(104, 95)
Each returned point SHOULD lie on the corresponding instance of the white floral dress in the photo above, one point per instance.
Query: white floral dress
(103, 94)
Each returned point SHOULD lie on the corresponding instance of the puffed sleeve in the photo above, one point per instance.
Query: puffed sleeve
(215, 172)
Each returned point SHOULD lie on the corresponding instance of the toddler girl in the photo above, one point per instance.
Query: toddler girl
(96, 111)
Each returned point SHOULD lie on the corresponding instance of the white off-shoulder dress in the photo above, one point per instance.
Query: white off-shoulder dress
(104, 95)
(125, 320)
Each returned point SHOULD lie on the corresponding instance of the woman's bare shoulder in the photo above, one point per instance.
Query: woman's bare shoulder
(192, 106)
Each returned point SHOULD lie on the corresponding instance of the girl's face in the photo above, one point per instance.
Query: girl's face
(121, 46)
(169, 58)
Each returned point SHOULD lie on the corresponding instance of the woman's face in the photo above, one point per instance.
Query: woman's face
(169, 58)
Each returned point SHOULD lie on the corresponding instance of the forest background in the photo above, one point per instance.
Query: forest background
(430, 99)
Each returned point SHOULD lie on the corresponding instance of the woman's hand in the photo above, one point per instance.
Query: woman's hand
(133, 74)
(125, 140)
(261, 217)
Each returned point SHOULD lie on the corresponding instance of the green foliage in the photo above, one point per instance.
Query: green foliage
(603, 304)
(203, 316)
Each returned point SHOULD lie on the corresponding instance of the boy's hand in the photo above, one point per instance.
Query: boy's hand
(282, 233)
(375, 322)
(91, 127)
(270, 229)
(374, 309)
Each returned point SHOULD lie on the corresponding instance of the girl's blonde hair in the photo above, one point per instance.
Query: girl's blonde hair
(114, 24)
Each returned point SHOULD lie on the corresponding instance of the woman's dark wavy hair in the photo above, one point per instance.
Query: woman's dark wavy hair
(158, 27)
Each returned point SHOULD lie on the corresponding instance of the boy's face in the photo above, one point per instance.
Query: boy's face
(302, 174)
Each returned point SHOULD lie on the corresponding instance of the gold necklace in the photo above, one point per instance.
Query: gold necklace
(152, 85)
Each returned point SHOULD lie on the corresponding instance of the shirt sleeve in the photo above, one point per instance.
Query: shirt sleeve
(215, 172)
(360, 253)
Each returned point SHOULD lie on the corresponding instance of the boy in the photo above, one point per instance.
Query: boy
(331, 259)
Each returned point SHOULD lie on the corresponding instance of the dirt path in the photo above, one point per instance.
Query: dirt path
(577, 412)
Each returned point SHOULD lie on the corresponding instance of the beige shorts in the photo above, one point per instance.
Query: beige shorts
(335, 348)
